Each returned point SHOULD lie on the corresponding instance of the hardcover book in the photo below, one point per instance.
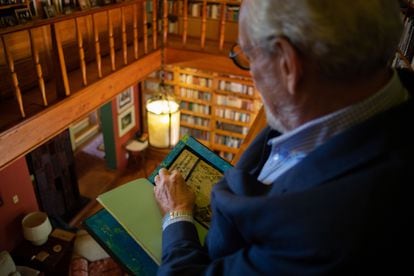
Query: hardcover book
(133, 204)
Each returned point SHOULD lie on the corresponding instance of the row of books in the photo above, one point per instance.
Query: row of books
(195, 107)
(195, 94)
(167, 75)
(195, 120)
(11, 2)
(227, 141)
(196, 10)
(196, 80)
(213, 10)
(232, 115)
(226, 155)
(236, 87)
(199, 134)
(235, 102)
(232, 128)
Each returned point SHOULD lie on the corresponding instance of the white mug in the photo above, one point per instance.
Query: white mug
(36, 227)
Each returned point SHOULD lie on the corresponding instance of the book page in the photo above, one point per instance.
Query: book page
(201, 177)
(134, 207)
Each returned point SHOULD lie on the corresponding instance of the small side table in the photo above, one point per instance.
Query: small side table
(51, 258)
(137, 150)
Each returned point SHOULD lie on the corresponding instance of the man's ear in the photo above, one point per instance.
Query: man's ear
(290, 63)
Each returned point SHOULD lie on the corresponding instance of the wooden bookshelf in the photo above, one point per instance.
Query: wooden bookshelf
(205, 19)
(217, 109)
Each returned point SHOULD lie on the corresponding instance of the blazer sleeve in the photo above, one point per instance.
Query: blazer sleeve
(184, 255)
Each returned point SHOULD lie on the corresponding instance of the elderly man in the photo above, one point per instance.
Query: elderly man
(327, 188)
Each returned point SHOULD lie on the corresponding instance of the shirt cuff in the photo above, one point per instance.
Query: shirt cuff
(176, 216)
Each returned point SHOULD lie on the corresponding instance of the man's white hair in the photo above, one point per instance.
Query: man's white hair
(344, 38)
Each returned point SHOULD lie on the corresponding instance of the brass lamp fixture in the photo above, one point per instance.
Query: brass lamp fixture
(163, 111)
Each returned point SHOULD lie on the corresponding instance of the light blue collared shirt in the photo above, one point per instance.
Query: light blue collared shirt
(291, 147)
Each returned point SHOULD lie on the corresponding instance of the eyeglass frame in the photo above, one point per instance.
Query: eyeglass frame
(233, 56)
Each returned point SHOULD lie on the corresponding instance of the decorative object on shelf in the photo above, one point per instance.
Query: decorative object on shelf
(36, 227)
(94, 3)
(125, 99)
(23, 15)
(126, 120)
(7, 21)
(106, 2)
(163, 111)
(84, 4)
(50, 11)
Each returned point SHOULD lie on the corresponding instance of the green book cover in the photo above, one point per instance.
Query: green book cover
(133, 204)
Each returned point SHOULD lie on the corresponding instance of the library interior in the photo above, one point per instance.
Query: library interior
(76, 120)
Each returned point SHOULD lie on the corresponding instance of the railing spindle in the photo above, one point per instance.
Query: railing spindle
(154, 24)
(111, 40)
(165, 22)
(222, 26)
(135, 30)
(204, 25)
(10, 63)
(81, 52)
(60, 59)
(145, 24)
(97, 47)
(185, 22)
(124, 37)
(38, 67)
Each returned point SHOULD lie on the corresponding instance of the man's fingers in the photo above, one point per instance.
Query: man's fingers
(163, 171)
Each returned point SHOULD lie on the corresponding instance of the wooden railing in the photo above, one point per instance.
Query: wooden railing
(47, 62)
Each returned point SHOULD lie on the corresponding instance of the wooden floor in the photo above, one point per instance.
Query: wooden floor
(95, 178)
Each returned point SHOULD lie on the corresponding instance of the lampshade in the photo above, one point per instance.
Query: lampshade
(36, 227)
(163, 114)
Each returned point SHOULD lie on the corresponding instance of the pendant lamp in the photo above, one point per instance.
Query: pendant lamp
(163, 111)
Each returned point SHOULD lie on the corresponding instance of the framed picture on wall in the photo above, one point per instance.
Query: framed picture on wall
(126, 120)
(125, 99)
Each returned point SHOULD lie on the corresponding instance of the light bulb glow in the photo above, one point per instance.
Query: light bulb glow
(159, 127)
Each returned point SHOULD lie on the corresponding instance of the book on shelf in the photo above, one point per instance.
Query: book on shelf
(133, 204)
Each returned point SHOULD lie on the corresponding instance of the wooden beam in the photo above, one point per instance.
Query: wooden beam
(26, 136)
(203, 61)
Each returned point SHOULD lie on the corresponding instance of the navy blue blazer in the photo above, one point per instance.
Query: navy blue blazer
(347, 208)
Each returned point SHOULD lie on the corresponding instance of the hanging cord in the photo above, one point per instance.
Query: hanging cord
(165, 93)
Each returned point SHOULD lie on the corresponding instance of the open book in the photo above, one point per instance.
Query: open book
(133, 204)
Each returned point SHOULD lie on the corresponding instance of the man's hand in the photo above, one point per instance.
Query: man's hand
(172, 193)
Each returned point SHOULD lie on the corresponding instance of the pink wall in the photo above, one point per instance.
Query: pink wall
(15, 180)
(120, 142)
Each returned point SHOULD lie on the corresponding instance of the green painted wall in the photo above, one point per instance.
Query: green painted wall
(108, 135)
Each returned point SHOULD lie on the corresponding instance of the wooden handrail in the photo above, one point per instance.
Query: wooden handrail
(59, 18)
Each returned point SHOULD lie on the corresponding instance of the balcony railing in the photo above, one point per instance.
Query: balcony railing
(47, 61)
